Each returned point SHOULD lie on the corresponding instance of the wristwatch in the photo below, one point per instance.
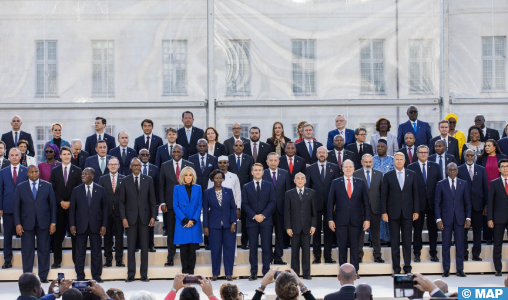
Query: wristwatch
(304, 289)
(261, 287)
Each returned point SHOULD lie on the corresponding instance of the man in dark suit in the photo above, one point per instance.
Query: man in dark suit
(319, 178)
(280, 180)
(503, 144)
(9, 179)
(4, 162)
(374, 181)
(124, 153)
(258, 202)
(476, 178)
(148, 140)
(348, 135)
(360, 147)
(409, 149)
(347, 276)
(451, 143)
(300, 223)
(165, 152)
(12, 138)
(35, 216)
(99, 161)
(88, 219)
(204, 163)
(308, 147)
(137, 210)
(488, 133)
(497, 211)
(99, 135)
(419, 128)
(189, 135)
(339, 154)
(153, 171)
(112, 184)
(229, 143)
(441, 158)
(169, 174)
(255, 148)
(399, 207)
(427, 176)
(63, 179)
(453, 213)
(292, 163)
(78, 156)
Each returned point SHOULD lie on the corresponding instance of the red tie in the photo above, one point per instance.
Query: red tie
(177, 171)
(349, 188)
(291, 165)
(506, 186)
(409, 154)
(75, 157)
(14, 175)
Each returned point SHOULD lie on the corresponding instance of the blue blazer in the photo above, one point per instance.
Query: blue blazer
(210, 165)
(478, 194)
(91, 141)
(348, 211)
(28, 209)
(9, 142)
(155, 143)
(350, 138)
(187, 209)
(125, 168)
(216, 216)
(254, 205)
(93, 162)
(503, 144)
(423, 134)
(7, 187)
(163, 156)
(447, 206)
(426, 190)
(303, 151)
(283, 185)
(196, 134)
(84, 216)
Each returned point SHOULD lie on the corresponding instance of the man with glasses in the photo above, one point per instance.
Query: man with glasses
(419, 128)
(123, 153)
(99, 161)
(360, 147)
(237, 130)
(348, 135)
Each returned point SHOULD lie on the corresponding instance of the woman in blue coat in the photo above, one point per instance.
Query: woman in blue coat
(187, 203)
(219, 224)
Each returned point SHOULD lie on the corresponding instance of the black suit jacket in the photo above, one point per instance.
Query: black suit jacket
(168, 181)
(270, 142)
(84, 216)
(140, 204)
(163, 156)
(155, 143)
(244, 174)
(281, 188)
(263, 151)
(91, 141)
(153, 171)
(497, 206)
(334, 159)
(491, 134)
(396, 202)
(452, 149)
(478, 194)
(322, 187)
(113, 197)
(376, 186)
(5, 163)
(300, 214)
(125, 168)
(196, 134)
(298, 166)
(229, 143)
(426, 190)
(448, 159)
(367, 148)
(9, 142)
(503, 145)
(414, 155)
(219, 149)
(203, 176)
(303, 151)
(64, 192)
(345, 293)
(80, 162)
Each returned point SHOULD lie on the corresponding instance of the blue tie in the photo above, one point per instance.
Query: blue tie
(15, 138)
(424, 173)
(401, 183)
(310, 149)
(145, 171)
(34, 190)
(368, 179)
(414, 126)
(238, 163)
(100, 138)
(89, 196)
(441, 164)
(202, 164)
(188, 136)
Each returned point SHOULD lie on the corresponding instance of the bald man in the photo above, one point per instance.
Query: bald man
(347, 276)
(12, 137)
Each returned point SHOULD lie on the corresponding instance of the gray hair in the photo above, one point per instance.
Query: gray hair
(399, 154)
(143, 295)
(271, 154)
(366, 155)
(74, 141)
(14, 149)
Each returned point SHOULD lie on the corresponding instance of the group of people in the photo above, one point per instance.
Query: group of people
(298, 190)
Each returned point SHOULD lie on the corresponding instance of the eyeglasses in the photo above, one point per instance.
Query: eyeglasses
(49, 151)
(57, 129)
(136, 166)
(420, 152)
(237, 128)
(469, 155)
(144, 154)
(113, 165)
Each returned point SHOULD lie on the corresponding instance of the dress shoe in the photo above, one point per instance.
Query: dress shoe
(107, 264)
(317, 260)
(229, 278)
(334, 246)
(7, 265)
(44, 280)
(130, 279)
(307, 277)
(499, 273)
(145, 279)
(446, 274)
(360, 260)
(280, 262)
(287, 246)
(157, 219)
(165, 233)
(56, 266)
(214, 278)
(460, 274)
(379, 260)
(466, 258)
(137, 250)
(253, 277)
(489, 242)
(357, 276)
(477, 258)
(169, 263)
(207, 247)
(395, 273)
(417, 258)
(434, 258)
(99, 280)
(245, 247)
(330, 261)
(152, 249)
(120, 264)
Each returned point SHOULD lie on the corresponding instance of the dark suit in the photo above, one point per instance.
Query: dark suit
(155, 143)
(358, 158)
(374, 190)
(332, 157)
(426, 194)
(93, 162)
(115, 226)
(345, 293)
(478, 196)
(8, 139)
(497, 211)
(152, 171)
(453, 208)
(423, 135)
(7, 204)
(203, 167)
(491, 134)
(263, 151)
(298, 166)
(406, 155)
(35, 215)
(299, 216)
(229, 143)
(253, 204)
(63, 192)
(273, 147)
(196, 134)
(88, 220)
(281, 186)
(167, 183)
(302, 150)
(350, 213)
(322, 187)
(503, 145)
(163, 155)
(81, 159)
(451, 149)
(138, 208)
(125, 165)
(219, 150)
(5, 163)
(91, 141)
(448, 159)
(400, 205)
(349, 134)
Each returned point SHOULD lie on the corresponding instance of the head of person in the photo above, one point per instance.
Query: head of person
(363, 292)
(367, 161)
(443, 286)
(470, 155)
(113, 165)
(422, 153)
(223, 163)
(308, 131)
(338, 142)
(444, 127)
(52, 152)
(439, 147)
(147, 126)
(290, 149)
(23, 146)
(187, 119)
(115, 294)
(347, 274)
(286, 286)
(202, 146)
(254, 133)
(382, 147)
(136, 166)
(491, 147)
(144, 156)
(177, 153)
(238, 147)
(65, 155)
(409, 139)
(237, 130)
(257, 171)
(211, 135)
(412, 112)
(322, 154)
(145, 295)
(474, 134)
(272, 160)
(56, 129)
(30, 285)
(503, 167)
(101, 148)
(398, 160)
(340, 122)
(171, 135)
(15, 156)
(479, 121)
(72, 294)
(87, 175)
(217, 177)
(230, 291)
(452, 121)
(300, 180)
(76, 145)
(506, 128)
(123, 139)
(277, 130)
(383, 125)
(299, 128)
(16, 123)
(100, 124)
(348, 167)
(452, 170)
(33, 172)
(188, 293)
(187, 176)
(360, 134)
(2, 148)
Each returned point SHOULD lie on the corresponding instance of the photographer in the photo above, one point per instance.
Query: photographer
(288, 286)
(95, 289)
(425, 285)
(190, 292)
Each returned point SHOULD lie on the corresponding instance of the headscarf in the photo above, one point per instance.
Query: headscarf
(452, 116)
(55, 148)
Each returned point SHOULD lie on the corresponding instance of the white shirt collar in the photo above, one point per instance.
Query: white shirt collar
(91, 186)
(300, 189)
(111, 174)
(121, 148)
(101, 134)
(415, 122)
(204, 156)
(450, 181)
(36, 183)
(403, 172)
(276, 172)
(470, 166)
(150, 135)
(257, 181)
(421, 164)
(17, 168)
(240, 156)
(365, 171)
(503, 179)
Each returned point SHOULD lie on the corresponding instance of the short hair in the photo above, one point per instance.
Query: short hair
(409, 132)
(502, 160)
(254, 127)
(102, 119)
(468, 150)
(229, 291)
(65, 148)
(271, 154)
(338, 135)
(439, 141)
(171, 129)
(5, 146)
(214, 130)
(347, 161)
(99, 142)
(363, 291)
(115, 294)
(72, 294)
(286, 286)
(399, 154)
(146, 121)
(27, 282)
(290, 142)
(257, 165)
(144, 295)
(113, 158)
(23, 142)
(188, 293)
(357, 130)
(121, 133)
(347, 276)
(184, 172)
(135, 158)
(378, 123)
(56, 123)
(90, 169)
(14, 149)
(32, 166)
(74, 141)
(421, 146)
(187, 112)
(443, 121)
(306, 125)
(367, 155)
(300, 173)
(215, 172)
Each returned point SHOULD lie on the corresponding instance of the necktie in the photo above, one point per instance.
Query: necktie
(188, 136)
(409, 154)
(100, 138)
(441, 164)
(103, 165)
(506, 186)
(453, 187)
(414, 126)
(75, 157)
(361, 150)
(16, 138)
(14, 175)
(255, 152)
(238, 165)
(147, 143)
(145, 170)
(368, 179)
(339, 160)
(401, 182)
(323, 172)
(171, 151)
(113, 182)
(124, 156)
(136, 183)
(300, 194)
(65, 176)
(274, 179)
(202, 164)
(177, 171)
(471, 172)
(349, 188)
(34, 190)
(424, 173)
(89, 196)
(291, 165)
(258, 188)
(310, 149)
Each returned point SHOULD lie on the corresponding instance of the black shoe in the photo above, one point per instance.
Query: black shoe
(69, 235)
(107, 264)
(99, 280)
(137, 250)
(388, 244)
(379, 260)
(207, 247)
(130, 279)
(489, 242)
(466, 258)
(214, 278)
(56, 266)
(152, 249)
(334, 246)
(44, 280)
(317, 260)
(253, 277)
(120, 263)
(417, 258)
(169, 263)
(7, 265)
(460, 274)
(229, 278)
(330, 261)
(245, 247)
(434, 258)
(360, 260)
(477, 258)
(280, 262)
(307, 277)
(286, 246)
(499, 273)
(165, 233)
(446, 274)
(357, 276)
(145, 279)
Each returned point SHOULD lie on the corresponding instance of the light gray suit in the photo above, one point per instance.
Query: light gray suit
(230, 142)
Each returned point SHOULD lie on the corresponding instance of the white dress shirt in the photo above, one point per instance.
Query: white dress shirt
(370, 174)
(472, 169)
(276, 173)
(252, 146)
(204, 160)
(19, 133)
(105, 160)
(403, 175)
(91, 189)
(412, 151)
(484, 130)
(307, 145)
(179, 165)
(413, 123)
(116, 178)
(358, 146)
(149, 141)
(426, 166)
(68, 170)
(341, 155)
(211, 150)
(445, 139)
(292, 158)
(139, 179)
(444, 163)
(101, 134)
(233, 183)
(169, 148)
(17, 169)
(36, 184)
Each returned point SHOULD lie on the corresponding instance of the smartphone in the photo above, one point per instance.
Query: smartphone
(276, 274)
(403, 286)
(192, 279)
(82, 286)
(60, 277)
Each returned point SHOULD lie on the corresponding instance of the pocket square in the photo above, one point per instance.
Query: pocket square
(331, 171)
(210, 165)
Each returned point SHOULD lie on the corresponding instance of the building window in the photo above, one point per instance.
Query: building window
(420, 66)
(245, 131)
(238, 68)
(494, 63)
(44, 134)
(46, 68)
(497, 125)
(372, 67)
(304, 74)
(174, 61)
(296, 136)
(103, 78)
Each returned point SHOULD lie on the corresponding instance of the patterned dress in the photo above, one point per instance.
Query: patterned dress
(384, 164)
